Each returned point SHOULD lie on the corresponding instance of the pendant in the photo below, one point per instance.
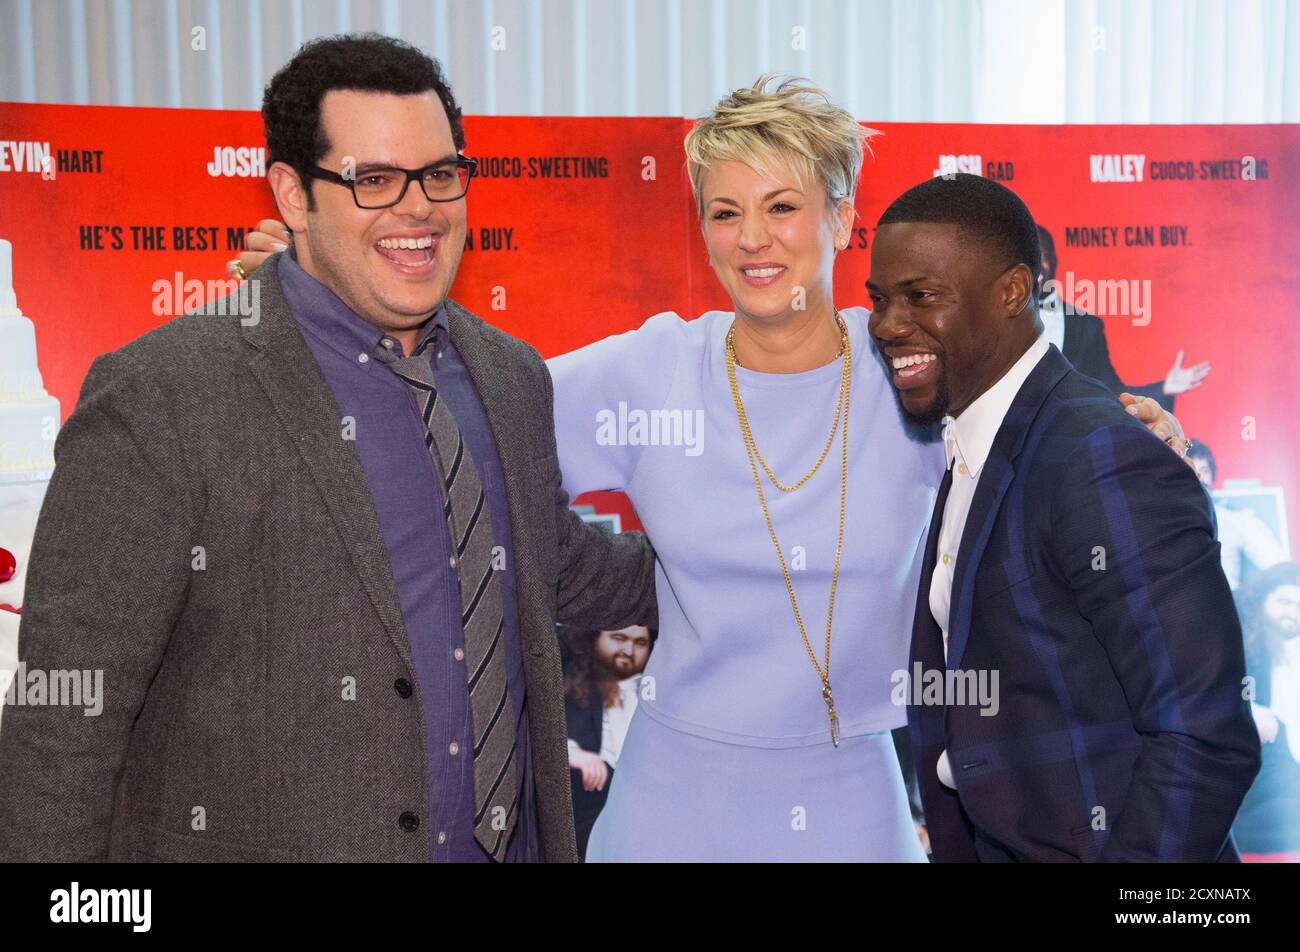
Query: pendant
(835, 718)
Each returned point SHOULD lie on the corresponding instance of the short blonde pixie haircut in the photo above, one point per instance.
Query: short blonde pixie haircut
(794, 126)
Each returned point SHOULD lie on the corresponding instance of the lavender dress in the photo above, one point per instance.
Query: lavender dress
(728, 757)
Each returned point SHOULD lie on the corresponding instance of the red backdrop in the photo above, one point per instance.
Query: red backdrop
(592, 247)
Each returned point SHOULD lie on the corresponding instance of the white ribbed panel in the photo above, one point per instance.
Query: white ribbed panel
(1104, 61)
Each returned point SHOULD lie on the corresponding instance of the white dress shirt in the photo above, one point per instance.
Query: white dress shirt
(615, 721)
(1052, 314)
(968, 440)
(1285, 693)
(1244, 537)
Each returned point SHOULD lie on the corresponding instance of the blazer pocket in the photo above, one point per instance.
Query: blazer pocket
(146, 843)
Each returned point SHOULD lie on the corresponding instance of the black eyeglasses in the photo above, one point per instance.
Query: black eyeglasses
(386, 187)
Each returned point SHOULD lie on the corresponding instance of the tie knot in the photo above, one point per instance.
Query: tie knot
(416, 370)
(388, 350)
(428, 343)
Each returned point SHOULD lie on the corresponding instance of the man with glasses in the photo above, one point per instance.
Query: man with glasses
(318, 554)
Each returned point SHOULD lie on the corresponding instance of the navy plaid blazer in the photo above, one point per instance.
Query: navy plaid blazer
(1088, 580)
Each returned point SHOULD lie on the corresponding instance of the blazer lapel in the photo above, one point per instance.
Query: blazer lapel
(927, 638)
(994, 480)
(488, 365)
(305, 407)
(999, 470)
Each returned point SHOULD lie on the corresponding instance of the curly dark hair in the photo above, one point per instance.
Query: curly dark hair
(586, 680)
(1262, 641)
(1047, 246)
(366, 62)
(1201, 450)
(581, 678)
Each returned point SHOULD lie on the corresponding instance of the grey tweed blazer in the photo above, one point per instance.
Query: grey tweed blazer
(209, 542)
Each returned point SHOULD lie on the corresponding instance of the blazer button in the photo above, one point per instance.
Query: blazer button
(402, 687)
(409, 822)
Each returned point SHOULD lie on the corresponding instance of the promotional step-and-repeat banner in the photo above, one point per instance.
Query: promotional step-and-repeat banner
(1181, 240)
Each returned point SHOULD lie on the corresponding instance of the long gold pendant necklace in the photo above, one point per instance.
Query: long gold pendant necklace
(841, 423)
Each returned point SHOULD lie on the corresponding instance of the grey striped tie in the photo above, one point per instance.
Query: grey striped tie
(496, 783)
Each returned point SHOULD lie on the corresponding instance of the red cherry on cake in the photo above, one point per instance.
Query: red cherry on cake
(8, 566)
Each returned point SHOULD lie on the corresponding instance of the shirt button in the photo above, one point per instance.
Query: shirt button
(459, 654)
(946, 560)
(453, 748)
(961, 468)
(452, 561)
(442, 838)
(388, 343)
(363, 358)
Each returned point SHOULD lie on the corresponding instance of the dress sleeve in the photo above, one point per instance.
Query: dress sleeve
(595, 388)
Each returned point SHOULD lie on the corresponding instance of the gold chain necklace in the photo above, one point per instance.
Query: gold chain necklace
(830, 440)
(751, 453)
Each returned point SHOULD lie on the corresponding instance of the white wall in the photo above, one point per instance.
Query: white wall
(1104, 61)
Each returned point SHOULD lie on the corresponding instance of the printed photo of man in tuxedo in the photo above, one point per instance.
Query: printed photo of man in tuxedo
(1082, 338)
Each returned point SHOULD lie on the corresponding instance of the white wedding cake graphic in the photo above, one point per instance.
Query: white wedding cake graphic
(29, 422)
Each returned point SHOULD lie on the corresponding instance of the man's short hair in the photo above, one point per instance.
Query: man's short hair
(981, 208)
(1201, 450)
(368, 62)
(1048, 245)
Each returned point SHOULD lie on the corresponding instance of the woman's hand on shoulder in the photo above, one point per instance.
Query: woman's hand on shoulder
(1160, 422)
(269, 237)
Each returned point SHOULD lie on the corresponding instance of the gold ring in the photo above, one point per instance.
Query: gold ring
(237, 269)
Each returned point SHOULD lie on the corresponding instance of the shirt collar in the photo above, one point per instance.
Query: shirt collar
(1291, 652)
(320, 312)
(969, 438)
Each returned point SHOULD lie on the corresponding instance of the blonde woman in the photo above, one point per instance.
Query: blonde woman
(788, 504)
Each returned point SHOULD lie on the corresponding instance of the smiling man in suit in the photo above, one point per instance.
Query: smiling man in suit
(1070, 564)
(318, 552)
